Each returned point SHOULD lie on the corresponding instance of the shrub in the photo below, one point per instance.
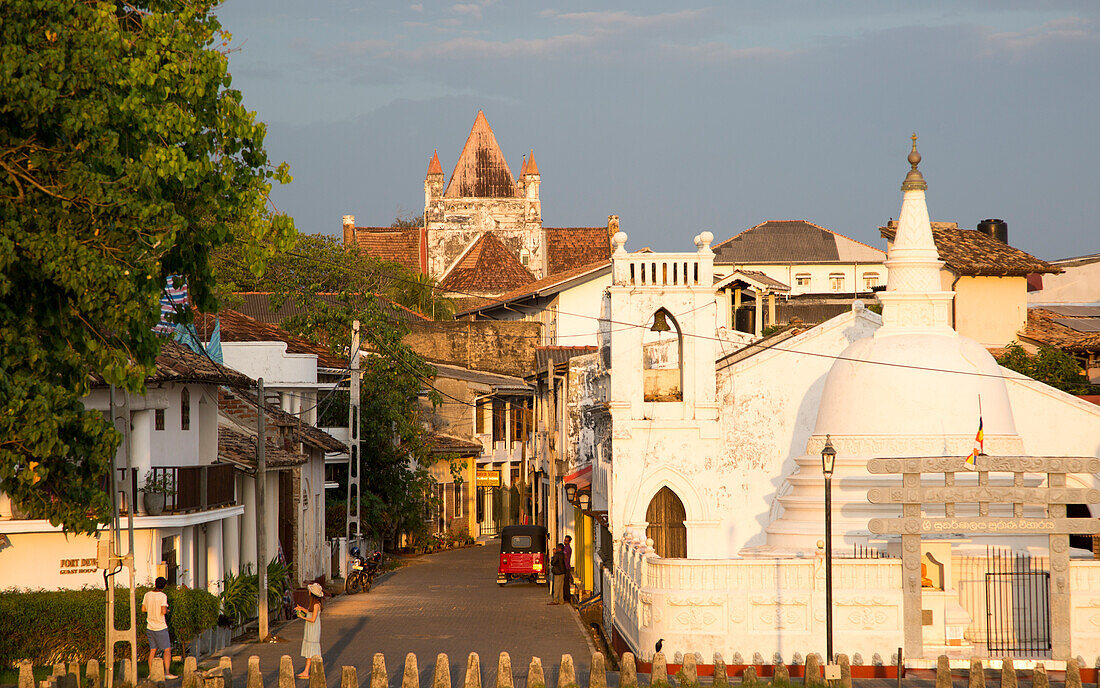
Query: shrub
(48, 626)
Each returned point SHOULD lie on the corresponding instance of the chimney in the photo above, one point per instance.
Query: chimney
(996, 228)
(612, 229)
(349, 230)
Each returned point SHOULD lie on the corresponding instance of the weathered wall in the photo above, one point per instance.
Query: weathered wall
(991, 310)
(589, 424)
(455, 223)
(1078, 284)
(492, 346)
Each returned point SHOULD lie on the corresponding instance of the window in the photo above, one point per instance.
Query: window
(870, 280)
(158, 419)
(185, 409)
(836, 281)
(802, 279)
(525, 257)
(479, 416)
(521, 542)
(499, 420)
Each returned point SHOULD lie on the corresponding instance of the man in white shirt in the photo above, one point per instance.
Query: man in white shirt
(155, 606)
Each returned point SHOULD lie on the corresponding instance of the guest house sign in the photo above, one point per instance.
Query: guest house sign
(1051, 495)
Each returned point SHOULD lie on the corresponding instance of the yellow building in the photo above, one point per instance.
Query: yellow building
(457, 507)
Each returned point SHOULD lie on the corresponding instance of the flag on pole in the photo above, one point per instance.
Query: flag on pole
(971, 461)
(174, 298)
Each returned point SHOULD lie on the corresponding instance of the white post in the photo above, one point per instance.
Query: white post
(214, 557)
(231, 544)
(261, 507)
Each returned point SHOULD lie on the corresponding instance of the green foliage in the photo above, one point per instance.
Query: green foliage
(239, 591)
(125, 157)
(47, 626)
(1049, 365)
(162, 483)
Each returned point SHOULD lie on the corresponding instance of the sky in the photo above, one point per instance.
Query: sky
(683, 117)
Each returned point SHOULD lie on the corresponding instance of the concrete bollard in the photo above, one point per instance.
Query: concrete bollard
(91, 672)
(1073, 673)
(286, 672)
(748, 677)
(378, 676)
(567, 675)
(628, 671)
(317, 672)
(74, 674)
(690, 673)
(213, 678)
(845, 671)
(349, 678)
(721, 679)
(943, 672)
(411, 677)
(658, 674)
(1039, 678)
(26, 674)
(58, 670)
(254, 679)
(156, 672)
(128, 673)
(812, 675)
(504, 671)
(976, 679)
(780, 675)
(442, 676)
(473, 672)
(1008, 674)
(535, 677)
(225, 665)
(597, 675)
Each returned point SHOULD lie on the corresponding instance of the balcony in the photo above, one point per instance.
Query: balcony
(197, 488)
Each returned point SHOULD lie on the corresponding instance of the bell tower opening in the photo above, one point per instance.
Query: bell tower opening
(662, 358)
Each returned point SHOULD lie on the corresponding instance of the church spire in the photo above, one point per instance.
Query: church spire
(530, 167)
(434, 167)
(914, 298)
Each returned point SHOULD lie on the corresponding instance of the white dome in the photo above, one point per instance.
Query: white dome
(914, 384)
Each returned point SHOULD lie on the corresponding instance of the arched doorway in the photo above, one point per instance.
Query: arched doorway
(665, 516)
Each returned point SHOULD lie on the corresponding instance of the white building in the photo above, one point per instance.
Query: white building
(712, 488)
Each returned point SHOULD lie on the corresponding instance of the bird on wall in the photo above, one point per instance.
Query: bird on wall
(659, 645)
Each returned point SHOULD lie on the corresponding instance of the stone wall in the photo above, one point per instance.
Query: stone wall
(492, 346)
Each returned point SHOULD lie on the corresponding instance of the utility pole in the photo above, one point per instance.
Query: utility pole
(551, 419)
(110, 558)
(353, 523)
(261, 510)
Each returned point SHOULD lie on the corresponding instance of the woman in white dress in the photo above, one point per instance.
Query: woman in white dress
(311, 640)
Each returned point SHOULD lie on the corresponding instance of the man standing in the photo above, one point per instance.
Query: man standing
(567, 550)
(558, 569)
(155, 606)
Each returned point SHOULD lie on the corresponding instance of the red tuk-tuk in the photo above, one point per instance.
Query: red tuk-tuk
(523, 554)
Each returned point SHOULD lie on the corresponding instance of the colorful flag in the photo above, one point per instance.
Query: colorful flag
(214, 346)
(173, 299)
(979, 439)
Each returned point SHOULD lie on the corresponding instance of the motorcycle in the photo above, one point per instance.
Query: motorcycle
(362, 572)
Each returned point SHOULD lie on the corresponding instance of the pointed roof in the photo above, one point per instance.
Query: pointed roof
(523, 167)
(434, 167)
(487, 267)
(531, 167)
(481, 170)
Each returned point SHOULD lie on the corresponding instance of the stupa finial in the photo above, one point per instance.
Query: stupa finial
(914, 180)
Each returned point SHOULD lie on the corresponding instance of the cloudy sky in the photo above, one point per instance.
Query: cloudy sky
(680, 117)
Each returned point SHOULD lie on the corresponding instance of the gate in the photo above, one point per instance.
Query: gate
(1017, 603)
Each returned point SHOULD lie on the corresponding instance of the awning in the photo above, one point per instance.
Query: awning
(581, 478)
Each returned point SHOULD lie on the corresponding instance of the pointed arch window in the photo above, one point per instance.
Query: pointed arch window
(185, 409)
(662, 358)
(665, 516)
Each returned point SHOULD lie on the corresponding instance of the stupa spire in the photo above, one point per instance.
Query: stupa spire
(914, 298)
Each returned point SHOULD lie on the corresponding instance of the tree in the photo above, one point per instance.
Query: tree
(1049, 365)
(125, 157)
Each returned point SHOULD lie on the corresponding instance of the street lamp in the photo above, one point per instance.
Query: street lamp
(828, 462)
(584, 499)
(570, 492)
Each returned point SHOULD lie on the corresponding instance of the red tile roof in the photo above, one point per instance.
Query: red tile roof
(536, 287)
(242, 407)
(972, 253)
(178, 363)
(531, 167)
(238, 327)
(481, 170)
(434, 167)
(571, 247)
(391, 243)
(1043, 328)
(448, 444)
(488, 267)
(240, 448)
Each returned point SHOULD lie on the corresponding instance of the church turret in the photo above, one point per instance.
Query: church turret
(530, 179)
(433, 189)
(349, 230)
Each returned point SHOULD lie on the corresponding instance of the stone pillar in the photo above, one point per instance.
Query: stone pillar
(758, 326)
(771, 308)
(231, 544)
(187, 556)
(141, 450)
(214, 554)
(1059, 579)
(912, 627)
(248, 523)
(272, 520)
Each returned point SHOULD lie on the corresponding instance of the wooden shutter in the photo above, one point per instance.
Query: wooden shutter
(665, 517)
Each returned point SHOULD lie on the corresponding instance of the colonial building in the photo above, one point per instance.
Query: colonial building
(482, 231)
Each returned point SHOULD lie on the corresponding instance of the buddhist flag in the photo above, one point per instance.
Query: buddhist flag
(971, 461)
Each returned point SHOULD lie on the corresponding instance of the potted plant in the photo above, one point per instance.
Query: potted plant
(155, 491)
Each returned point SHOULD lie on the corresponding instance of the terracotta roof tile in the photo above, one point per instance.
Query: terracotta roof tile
(178, 363)
(390, 243)
(972, 253)
(447, 444)
(488, 267)
(238, 327)
(242, 407)
(572, 247)
(1042, 328)
(535, 287)
(239, 448)
(481, 170)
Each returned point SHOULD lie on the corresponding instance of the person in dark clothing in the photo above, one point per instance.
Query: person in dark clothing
(558, 568)
(567, 550)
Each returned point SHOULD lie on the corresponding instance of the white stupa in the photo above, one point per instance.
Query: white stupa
(912, 389)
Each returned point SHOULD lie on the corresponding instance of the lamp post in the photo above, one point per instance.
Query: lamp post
(828, 462)
(571, 492)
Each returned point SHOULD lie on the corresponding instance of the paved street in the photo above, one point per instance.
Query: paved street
(447, 602)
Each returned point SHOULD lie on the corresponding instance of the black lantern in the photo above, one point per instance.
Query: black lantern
(828, 463)
(584, 499)
(828, 458)
(570, 492)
